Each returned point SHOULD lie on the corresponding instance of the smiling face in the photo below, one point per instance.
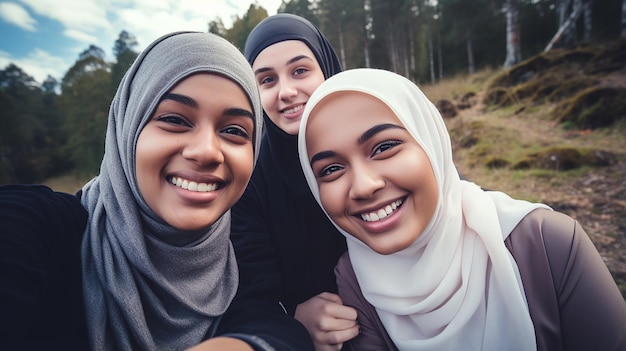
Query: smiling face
(287, 74)
(195, 155)
(375, 181)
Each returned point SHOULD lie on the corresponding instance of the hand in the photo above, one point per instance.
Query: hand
(328, 321)
(222, 343)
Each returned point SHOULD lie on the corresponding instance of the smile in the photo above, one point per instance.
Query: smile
(382, 213)
(293, 109)
(193, 186)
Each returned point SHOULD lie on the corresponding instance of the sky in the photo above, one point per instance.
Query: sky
(45, 37)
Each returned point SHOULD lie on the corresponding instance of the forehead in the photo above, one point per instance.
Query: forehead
(279, 53)
(352, 103)
(207, 78)
(348, 111)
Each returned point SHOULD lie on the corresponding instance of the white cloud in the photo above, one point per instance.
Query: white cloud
(80, 36)
(88, 15)
(38, 64)
(17, 15)
(99, 22)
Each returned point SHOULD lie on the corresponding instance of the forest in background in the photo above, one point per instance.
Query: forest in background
(58, 127)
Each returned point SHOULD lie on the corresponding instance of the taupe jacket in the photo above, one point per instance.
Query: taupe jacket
(573, 300)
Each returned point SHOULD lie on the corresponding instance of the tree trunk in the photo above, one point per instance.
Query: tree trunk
(587, 11)
(367, 8)
(566, 35)
(342, 48)
(392, 45)
(470, 54)
(439, 54)
(412, 67)
(559, 34)
(513, 51)
(624, 19)
(431, 56)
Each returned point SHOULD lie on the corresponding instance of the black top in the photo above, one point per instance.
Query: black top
(41, 304)
(285, 245)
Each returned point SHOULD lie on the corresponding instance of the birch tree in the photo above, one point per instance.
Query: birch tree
(513, 50)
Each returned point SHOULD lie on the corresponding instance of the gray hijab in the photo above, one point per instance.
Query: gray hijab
(146, 284)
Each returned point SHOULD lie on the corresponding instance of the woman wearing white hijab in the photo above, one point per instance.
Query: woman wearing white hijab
(140, 258)
(434, 262)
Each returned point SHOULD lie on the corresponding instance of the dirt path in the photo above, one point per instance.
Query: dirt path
(596, 197)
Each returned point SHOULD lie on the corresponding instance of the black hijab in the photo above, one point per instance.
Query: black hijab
(272, 30)
(285, 26)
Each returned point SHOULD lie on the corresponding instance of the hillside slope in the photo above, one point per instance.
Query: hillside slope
(553, 129)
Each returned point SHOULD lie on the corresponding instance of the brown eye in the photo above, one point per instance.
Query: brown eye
(236, 130)
(384, 146)
(173, 119)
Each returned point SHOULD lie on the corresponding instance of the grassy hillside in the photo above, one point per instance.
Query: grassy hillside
(553, 130)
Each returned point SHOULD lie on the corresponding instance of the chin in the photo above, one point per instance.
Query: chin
(387, 249)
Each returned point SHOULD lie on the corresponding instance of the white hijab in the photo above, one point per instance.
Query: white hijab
(457, 286)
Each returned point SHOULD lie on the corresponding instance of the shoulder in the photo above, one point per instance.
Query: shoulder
(23, 195)
(545, 230)
(562, 271)
(547, 239)
(33, 210)
(40, 264)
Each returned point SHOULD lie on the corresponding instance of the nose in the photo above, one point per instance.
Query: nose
(287, 91)
(365, 182)
(204, 148)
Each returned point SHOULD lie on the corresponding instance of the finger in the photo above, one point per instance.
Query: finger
(330, 297)
(336, 308)
(340, 336)
(335, 324)
(342, 312)
(326, 347)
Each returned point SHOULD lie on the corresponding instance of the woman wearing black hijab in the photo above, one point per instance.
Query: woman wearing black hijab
(285, 245)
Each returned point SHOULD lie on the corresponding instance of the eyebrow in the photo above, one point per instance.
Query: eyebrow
(183, 99)
(292, 60)
(186, 100)
(367, 135)
(235, 111)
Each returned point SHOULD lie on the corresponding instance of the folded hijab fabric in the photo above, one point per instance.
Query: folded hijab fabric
(456, 287)
(148, 285)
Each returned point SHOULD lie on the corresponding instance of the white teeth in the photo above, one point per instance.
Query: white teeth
(193, 186)
(294, 110)
(382, 213)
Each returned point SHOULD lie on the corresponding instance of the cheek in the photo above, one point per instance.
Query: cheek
(331, 200)
(315, 82)
(145, 155)
(242, 161)
(268, 98)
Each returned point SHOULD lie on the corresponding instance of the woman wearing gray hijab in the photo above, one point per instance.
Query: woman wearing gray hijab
(140, 258)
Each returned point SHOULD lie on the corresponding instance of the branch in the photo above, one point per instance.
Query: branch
(570, 20)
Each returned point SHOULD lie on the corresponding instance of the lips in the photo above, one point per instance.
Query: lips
(381, 213)
(193, 186)
(292, 110)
